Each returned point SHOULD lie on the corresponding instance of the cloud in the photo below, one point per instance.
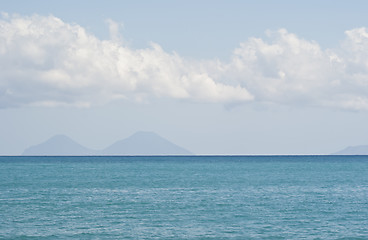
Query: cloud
(293, 71)
(47, 62)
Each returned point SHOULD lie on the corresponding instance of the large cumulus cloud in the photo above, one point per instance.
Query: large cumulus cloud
(289, 70)
(45, 61)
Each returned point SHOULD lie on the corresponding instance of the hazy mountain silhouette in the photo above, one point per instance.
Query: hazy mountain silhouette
(59, 145)
(354, 150)
(144, 143)
(140, 143)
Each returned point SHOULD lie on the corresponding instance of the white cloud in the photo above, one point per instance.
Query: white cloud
(47, 62)
(293, 71)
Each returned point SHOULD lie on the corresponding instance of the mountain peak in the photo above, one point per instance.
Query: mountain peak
(354, 150)
(60, 137)
(145, 143)
(58, 145)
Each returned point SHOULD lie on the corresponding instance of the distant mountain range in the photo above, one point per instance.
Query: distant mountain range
(140, 143)
(354, 150)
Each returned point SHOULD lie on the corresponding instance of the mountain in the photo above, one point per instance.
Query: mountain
(354, 150)
(59, 145)
(140, 143)
(145, 143)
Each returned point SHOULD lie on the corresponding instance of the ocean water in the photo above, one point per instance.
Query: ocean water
(202, 197)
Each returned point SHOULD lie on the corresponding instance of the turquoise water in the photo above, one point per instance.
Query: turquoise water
(274, 197)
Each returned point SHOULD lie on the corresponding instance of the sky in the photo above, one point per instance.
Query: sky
(215, 77)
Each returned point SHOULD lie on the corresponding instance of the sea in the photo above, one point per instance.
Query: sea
(184, 197)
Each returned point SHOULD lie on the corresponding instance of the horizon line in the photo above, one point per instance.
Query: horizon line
(191, 155)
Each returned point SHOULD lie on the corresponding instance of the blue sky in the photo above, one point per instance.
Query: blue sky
(216, 77)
